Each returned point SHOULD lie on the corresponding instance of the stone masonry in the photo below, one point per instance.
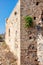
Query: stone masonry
(22, 41)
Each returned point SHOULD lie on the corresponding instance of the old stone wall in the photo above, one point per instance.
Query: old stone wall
(12, 36)
(22, 41)
(34, 9)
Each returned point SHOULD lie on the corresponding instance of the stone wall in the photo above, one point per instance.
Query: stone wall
(34, 9)
(12, 36)
(22, 41)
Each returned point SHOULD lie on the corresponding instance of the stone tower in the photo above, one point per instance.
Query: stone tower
(21, 41)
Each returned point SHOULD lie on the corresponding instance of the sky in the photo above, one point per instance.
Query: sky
(6, 7)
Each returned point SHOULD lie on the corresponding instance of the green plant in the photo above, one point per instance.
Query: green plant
(28, 21)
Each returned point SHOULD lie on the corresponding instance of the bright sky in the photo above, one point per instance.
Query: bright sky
(6, 7)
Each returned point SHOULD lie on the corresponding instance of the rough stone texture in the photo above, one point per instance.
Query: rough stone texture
(29, 7)
(6, 57)
(40, 48)
(19, 40)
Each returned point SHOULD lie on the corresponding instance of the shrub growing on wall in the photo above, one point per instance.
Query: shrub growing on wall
(28, 21)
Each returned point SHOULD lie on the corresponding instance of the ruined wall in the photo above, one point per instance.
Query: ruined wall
(34, 9)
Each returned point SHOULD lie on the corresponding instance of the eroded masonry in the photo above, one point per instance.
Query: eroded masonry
(26, 44)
